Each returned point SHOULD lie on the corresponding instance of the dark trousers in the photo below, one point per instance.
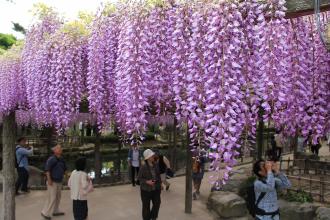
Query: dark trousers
(133, 169)
(147, 197)
(278, 152)
(23, 179)
(315, 149)
(80, 209)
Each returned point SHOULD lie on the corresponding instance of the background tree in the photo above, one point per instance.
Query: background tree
(19, 28)
(6, 41)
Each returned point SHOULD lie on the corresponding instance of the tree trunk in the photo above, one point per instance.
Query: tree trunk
(295, 145)
(8, 140)
(50, 142)
(98, 164)
(260, 135)
(175, 147)
(188, 198)
(119, 159)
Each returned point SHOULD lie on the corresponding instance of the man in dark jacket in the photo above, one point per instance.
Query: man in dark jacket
(149, 177)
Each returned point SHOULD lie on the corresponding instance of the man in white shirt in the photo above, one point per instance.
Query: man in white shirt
(134, 160)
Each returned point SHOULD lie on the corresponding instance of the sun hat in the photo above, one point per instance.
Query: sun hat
(148, 153)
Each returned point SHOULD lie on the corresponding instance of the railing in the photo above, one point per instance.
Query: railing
(311, 176)
(319, 189)
(305, 166)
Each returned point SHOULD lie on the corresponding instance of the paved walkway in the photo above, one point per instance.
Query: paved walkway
(119, 203)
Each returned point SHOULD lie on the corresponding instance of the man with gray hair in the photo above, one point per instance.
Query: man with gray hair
(55, 169)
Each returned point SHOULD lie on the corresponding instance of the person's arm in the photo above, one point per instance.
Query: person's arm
(25, 152)
(259, 186)
(167, 162)
(49, 165)
(282, 181)
(141, 175)
(49, 179)
(69, 181)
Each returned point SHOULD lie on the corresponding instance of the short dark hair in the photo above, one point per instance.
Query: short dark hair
(257, 168)
(81, 164)
(21, 139)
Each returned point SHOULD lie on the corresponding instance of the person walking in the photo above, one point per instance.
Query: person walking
(134, 160)
(149, 177)
(198, 169)
(269, 179)
(22, 165)
(55, 169)
(279, 139)
(273, 152)
(80, 185)
(164, 165)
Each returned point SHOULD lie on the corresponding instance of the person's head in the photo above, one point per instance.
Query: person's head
(22, 141)
(149, 155)
(259, 168)
(135, 145)
(80, 164)
(272, 137)
(57, 150)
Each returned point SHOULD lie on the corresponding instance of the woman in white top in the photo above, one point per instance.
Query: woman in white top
(80, 185)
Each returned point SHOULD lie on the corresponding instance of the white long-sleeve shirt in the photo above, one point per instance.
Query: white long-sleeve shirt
(80, 185)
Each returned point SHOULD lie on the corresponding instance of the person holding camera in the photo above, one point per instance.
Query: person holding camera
(22, 165)
(150, 184)
(269, 180)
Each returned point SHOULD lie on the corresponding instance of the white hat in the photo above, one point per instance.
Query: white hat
(148, 153)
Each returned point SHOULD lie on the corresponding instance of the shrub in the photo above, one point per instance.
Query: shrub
(298, 196)
(149, 136)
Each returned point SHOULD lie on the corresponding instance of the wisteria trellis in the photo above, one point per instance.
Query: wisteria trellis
(213, 65)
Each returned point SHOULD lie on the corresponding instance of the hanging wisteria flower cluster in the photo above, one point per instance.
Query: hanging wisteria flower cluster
(219, 67)
(54, 64)
(12, 86)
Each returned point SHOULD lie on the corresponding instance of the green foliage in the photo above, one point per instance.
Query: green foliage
(42, 10)
(298, 196)
(109, 9)
(2, 51)
(6, 41)
(86, 17)
(244, 185)
(110, 138)
(13, 52)
(149, 136)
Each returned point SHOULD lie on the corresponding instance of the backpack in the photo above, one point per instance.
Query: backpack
(251, 201)
(196, 166)
(16, 161)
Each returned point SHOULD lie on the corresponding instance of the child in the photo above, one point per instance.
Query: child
(80, 185)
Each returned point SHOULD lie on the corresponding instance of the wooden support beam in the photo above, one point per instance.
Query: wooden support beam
(298, 8)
